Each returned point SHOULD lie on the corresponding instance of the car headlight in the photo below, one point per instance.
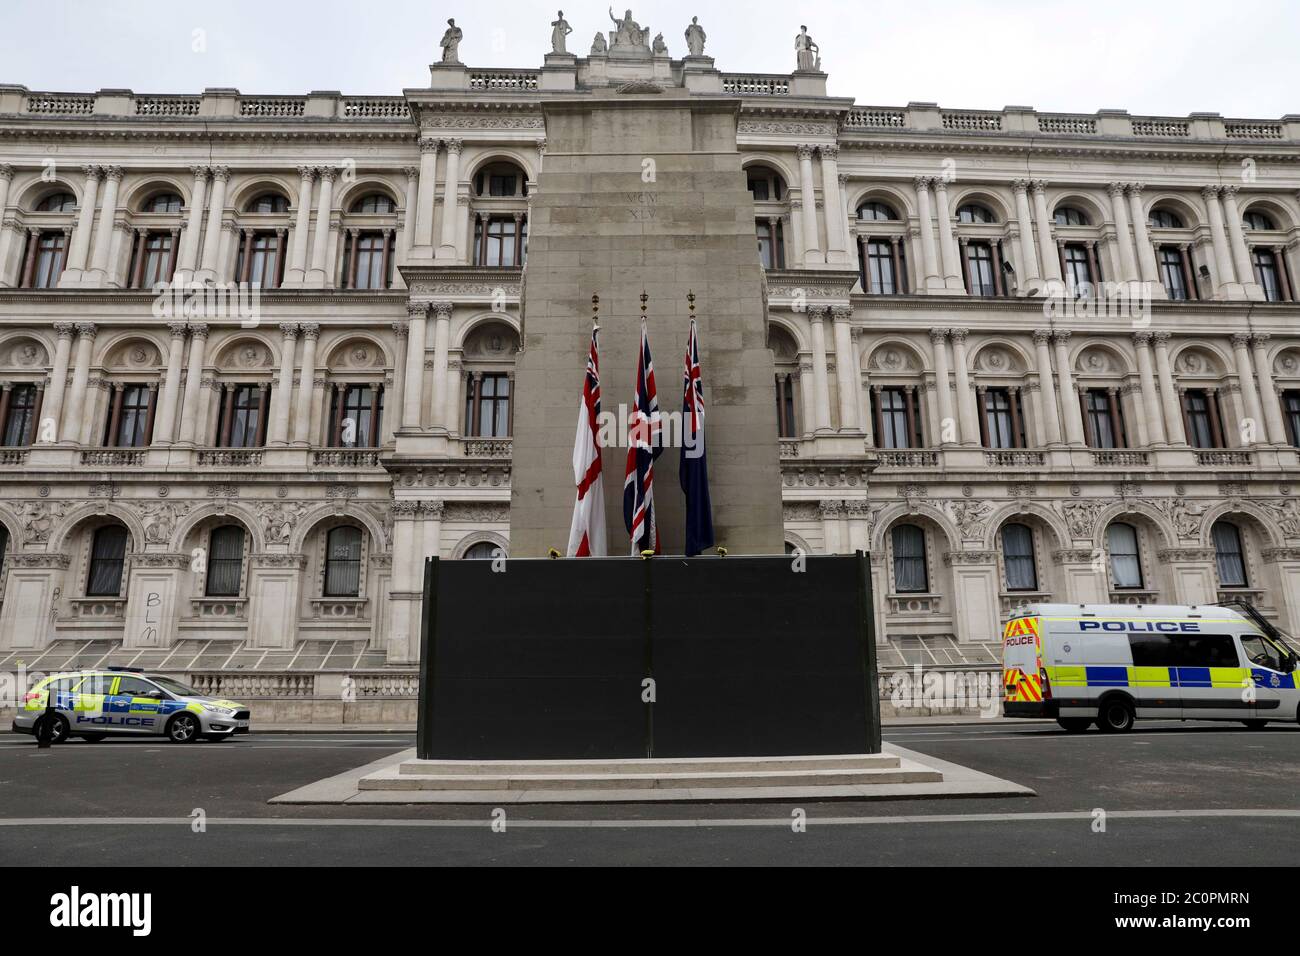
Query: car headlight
(223, 711)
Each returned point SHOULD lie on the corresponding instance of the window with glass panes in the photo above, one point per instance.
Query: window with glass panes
(880, 278)
(157, 255)
(1266, 273)
(20, 418)
(259, 260)
(1078, 270)
(785, 422)
(770, 252)
(243, 405)
(909, 559)
(225, 561)
(51, 251)
(1229, 557)
(358, 423)
(132, 416)
(999, 420)
(343, 562)
(896, 417)
(1170, 259)
(979, 266)
(1125, 559)
(1018, 558)
(369, 271)
(1291, 409)
(487, 405)
(1102, 427)
(4, 546)
(1202, 430)
(500, 244)
(107, 557)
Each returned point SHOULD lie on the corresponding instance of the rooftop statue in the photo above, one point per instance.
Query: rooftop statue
(451, 43)
(808, 52)
(629, 35)
(559, 30)
(695, 37)
(598, 45)
(660, 46)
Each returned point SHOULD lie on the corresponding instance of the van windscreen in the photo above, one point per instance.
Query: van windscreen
(1183, 650)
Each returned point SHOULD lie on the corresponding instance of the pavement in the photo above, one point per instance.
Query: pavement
(1170, 793)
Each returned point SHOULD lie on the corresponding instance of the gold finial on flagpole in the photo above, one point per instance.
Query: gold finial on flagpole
(644, 299)
(690, 297)
(595, 310)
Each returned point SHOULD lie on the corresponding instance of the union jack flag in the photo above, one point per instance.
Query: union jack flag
(645, 444)
(693, 467)
(587, 532)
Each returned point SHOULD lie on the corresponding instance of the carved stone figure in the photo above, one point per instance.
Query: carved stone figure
(160, 521)
(629, 34)
(808, 53)
(1185, 518)
(559, 30)
(278, 520)
(659, 45)
(695, 37)
(451, 42)
(970, 517)
(598, 45)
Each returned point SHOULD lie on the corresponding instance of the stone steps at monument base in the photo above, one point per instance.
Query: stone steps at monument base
(652, 765)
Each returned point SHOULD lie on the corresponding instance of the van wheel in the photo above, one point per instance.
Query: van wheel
(184, 729)
(1255, 724)
(1116, 716)
(1074, 725)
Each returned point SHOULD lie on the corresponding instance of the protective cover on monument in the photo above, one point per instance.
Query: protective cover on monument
(605, 658)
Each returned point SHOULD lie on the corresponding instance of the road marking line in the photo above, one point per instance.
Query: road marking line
(1080, 815)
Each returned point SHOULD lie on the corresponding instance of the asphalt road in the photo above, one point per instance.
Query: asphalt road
(1173, 794)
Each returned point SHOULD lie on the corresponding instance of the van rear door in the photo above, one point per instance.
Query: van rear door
(1022, 688)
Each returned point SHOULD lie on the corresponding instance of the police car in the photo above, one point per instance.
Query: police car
(125, 702)
(1110, 664)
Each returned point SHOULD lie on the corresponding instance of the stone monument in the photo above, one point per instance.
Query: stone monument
(451, 43)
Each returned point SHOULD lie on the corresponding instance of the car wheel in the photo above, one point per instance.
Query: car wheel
(58, 730)
(1255, 724)
(93, 738)
(1074, 725)
(1116, 716)
(184, 729)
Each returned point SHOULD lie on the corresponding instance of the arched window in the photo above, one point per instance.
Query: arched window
(343, 562)
(909, 559)
(766, 185)
(1165, 219)
(500, 180)
(1229, 555)
(57, 202)
(374, 204)
(225, 561)
(877, 211)
(1255, 219)
(1125, 559)
(1070, 216)
(107, 556)
(483, 550)
(973, 212)
(1018, 558)
(163, 202)
(268, 203)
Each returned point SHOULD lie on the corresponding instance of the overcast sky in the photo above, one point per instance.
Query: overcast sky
(1238, 58)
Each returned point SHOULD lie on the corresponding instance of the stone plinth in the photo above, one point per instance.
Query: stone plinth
(644, 191)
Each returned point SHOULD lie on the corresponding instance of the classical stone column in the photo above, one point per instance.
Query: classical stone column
(297, 272)
(410, 210)
(952, 279)
(441, 343)
(1226, 282)
(1267, 390)
(1067, 395)
(193, 384)
(76, 406)
(426, 196)
(6, 224)
(188, 260)
(1237, 241)
(104, 230)
(52, 408)
(1151, 412)
(413, 382)
(836, 225)
(1051, 262)
(927, 270)
(1047, 405)
(1128, 269)
(943, 387)
(1168, 393)
(966, 416)
(1146, 253)
(807, 198)
(394, 399)
(821, 383)
(210, 263)
(309, 332)
(79, 248)
(163, 431)
(282, 395)
(1031, 283)
(318, 273)
(846, 368)
(1249, 393)
(794, 233)
(448, 247)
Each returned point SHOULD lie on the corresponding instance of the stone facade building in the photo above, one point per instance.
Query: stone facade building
(256, 478)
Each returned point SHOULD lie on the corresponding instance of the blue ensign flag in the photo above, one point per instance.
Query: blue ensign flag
(693, 469)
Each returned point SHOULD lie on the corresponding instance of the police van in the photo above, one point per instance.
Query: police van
(1110, 664)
